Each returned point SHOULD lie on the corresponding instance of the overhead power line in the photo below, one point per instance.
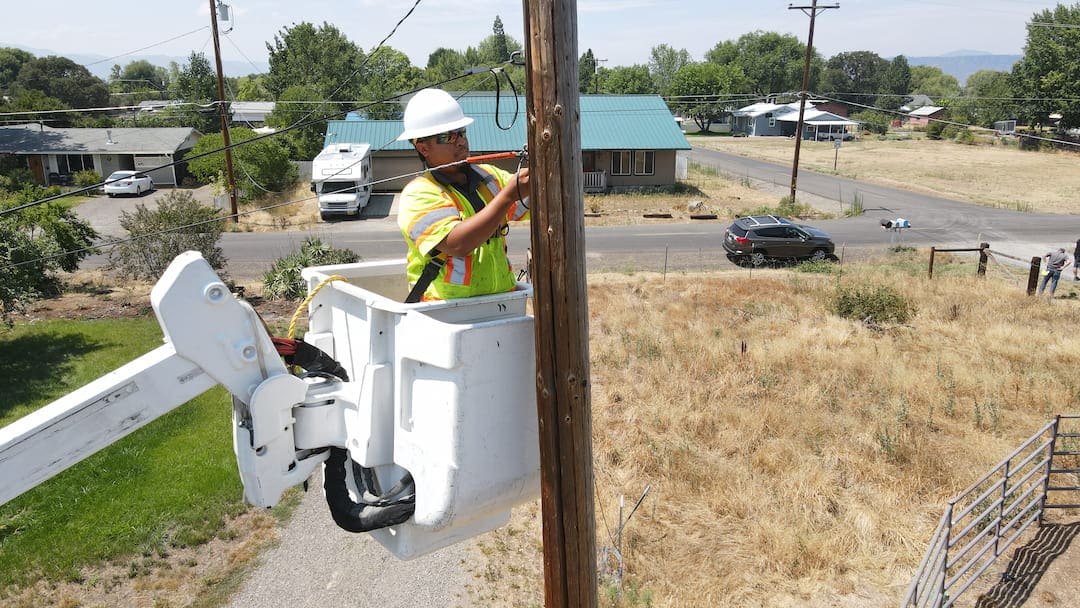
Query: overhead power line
(148, 47)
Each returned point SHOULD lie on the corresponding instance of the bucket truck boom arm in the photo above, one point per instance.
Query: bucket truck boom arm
(211, 338)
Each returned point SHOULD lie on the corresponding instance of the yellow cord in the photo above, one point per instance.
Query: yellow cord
(307, 300)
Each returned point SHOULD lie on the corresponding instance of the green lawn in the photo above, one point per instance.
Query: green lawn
(168, 484)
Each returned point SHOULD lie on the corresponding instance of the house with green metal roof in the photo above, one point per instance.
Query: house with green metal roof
(627, 141)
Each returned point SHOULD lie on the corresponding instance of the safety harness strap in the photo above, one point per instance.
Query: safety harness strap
(427, 275)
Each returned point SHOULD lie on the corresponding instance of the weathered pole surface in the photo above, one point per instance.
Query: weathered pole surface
(560, 304)
(984, 255)
(933, 250)
(223, 111)
(1033, 275)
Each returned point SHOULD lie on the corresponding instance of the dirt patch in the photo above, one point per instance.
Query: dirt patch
(88, 298)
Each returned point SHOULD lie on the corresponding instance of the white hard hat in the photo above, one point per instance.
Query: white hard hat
(430, 112)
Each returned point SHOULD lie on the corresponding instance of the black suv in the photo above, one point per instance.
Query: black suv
(758, 238)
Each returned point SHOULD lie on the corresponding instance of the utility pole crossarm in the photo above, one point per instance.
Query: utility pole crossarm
(812, 11)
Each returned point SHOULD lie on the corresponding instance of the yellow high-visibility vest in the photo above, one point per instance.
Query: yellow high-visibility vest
(428, 211)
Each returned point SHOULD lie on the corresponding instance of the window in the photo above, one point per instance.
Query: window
(633, 162)
(772, 119)
(643, 162)
(621, 162)
(72, 163)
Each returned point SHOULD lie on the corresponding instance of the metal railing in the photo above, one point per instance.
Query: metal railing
(982, 522)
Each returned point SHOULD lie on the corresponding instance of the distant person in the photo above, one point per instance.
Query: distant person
(1056, 261)
(1076, 259)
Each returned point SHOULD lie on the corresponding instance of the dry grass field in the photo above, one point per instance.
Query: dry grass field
(992, 174)
(795, 458)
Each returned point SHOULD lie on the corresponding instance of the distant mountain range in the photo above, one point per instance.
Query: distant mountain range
(960, 64)
(963, 65)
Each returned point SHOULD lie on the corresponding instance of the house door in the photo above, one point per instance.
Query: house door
(36, 168)
(588, 162)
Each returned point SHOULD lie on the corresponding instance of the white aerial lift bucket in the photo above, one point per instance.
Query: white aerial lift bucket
(448, 393)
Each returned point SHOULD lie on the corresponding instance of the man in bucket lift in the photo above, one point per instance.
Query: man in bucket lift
(455, 216)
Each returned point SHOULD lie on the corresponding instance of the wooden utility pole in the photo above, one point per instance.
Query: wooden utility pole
(812, 11)
(559, 303)
(223, 111)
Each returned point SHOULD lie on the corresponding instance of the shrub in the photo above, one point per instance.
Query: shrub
(87, 178)
(178, 224)
(881, 304)
(35, 245)
(965, 137)
(874, 122)
(817, 267)
(934, 129)
(283, 280)
(784, 208)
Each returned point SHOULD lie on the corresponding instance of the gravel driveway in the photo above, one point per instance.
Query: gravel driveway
(103, 213)
(318, 564)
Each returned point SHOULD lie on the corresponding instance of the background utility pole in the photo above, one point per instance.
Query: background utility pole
(559, 302)
(223, 110)
(812, 11)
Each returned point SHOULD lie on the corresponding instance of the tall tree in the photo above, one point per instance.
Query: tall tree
(854, 76)
(252, 88)
(1049, 73)
(664, 62)
(628, 80)
(11, 62)
(587, 72)
(495, 50)
(933, 82)
(444, 64)
(500, 47)
(65, 80)
(195, 83)
(388, 73)
(261, 165)
(987, 98)
(700, 90)
(895, 84)
(773, 62)
(320, 58)
(301, 105)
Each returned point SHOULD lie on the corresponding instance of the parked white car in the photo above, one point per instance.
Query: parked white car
(127, 182)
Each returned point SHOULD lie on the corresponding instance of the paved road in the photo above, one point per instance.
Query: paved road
(697, 246)
(935, 221)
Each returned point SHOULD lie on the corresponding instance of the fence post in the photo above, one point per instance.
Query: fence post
(1049, 468)
(983, 248)
(932, 251)
(1033, 275)
(945, 554)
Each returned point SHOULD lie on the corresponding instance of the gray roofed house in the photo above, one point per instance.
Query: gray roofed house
(765, 119)
(53, 155)
(627, 141)
(250, 113)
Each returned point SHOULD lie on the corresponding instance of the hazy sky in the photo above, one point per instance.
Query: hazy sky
(621, 31)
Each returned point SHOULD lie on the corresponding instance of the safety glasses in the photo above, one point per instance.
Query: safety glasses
(450, 137)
